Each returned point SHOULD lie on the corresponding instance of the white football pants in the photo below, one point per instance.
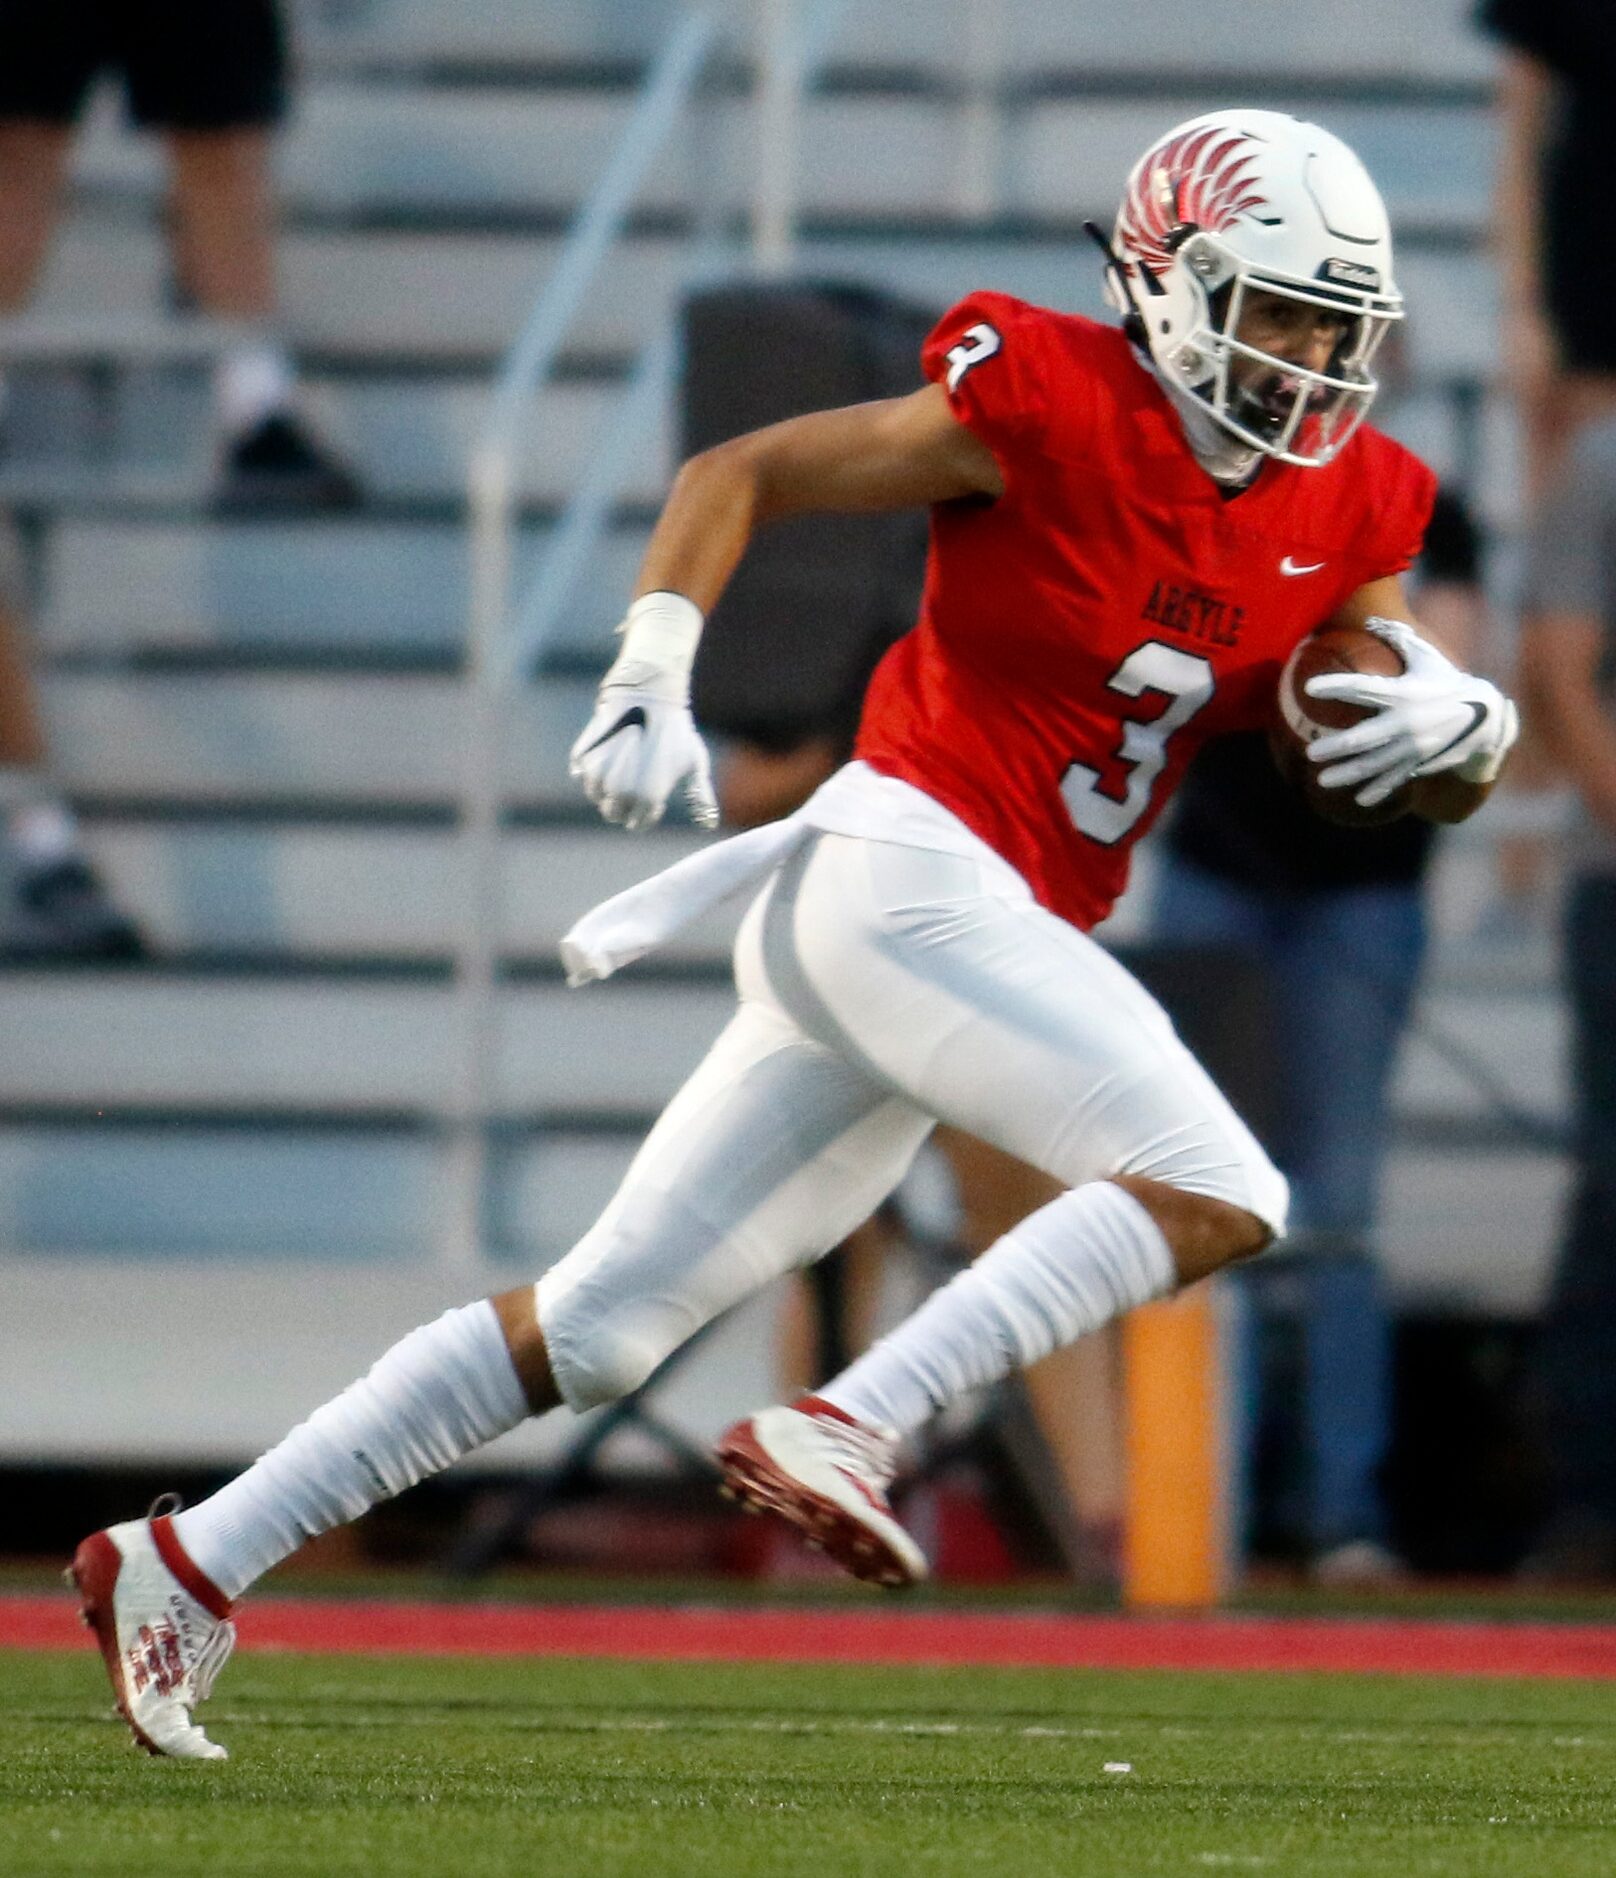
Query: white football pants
(882, 988)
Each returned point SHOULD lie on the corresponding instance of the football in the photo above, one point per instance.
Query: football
(1298, 719)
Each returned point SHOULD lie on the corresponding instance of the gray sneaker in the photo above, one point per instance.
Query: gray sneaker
(62, 911)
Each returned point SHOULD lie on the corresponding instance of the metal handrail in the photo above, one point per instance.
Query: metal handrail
(145, 338)
(589, 511)
(793, 40)
(492, 657)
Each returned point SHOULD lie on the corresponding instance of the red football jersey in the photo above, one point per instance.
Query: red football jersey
(1083, 635)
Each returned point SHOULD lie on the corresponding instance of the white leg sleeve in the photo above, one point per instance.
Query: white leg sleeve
(442, 1391)
(1065, 1270)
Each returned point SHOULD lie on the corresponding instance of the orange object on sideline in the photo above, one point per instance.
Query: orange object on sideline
(1178, 1535)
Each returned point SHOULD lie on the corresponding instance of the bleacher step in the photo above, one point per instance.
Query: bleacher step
(116, 586)
(176, 1189)
(461, 296)
(1390, 42)
(231, 736)
(385, 891)
(357, 149)
(138, 1040)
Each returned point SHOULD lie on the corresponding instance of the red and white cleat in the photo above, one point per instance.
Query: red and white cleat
(827, 1474)
(163, 1630)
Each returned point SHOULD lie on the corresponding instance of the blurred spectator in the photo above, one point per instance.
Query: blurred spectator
(59, 908)
(1338, 916)
(1569, 673)
(1558, 147)
(210, 76)
(1558, 280)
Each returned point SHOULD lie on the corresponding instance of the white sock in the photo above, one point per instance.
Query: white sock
(40, 829)
(444, 1390)
(1065, 1270)
(250, 384)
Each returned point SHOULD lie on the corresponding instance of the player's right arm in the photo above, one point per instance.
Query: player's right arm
(897, 453)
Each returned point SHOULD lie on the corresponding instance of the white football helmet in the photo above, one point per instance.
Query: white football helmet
(1238, 201)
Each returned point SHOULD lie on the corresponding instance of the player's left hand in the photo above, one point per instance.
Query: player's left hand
(1432, 717)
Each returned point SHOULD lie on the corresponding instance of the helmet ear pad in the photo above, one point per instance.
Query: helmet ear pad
(1184, 315)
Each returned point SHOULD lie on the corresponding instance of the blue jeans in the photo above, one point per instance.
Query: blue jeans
(1344, 962)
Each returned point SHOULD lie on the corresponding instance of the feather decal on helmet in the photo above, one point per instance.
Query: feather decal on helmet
(1204, 180)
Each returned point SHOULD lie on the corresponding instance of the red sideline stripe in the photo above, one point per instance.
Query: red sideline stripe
(1391, 1646)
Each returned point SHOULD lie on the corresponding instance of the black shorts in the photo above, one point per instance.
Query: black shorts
(185, 64)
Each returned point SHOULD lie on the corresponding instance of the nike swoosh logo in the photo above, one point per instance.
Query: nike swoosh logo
(1288, 566)
(1477, 713)
(632, 719)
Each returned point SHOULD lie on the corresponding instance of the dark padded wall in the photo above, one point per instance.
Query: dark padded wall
(789, 648)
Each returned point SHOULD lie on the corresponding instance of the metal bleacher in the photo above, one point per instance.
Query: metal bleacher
(262, 723)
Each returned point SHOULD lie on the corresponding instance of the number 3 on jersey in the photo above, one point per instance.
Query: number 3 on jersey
(1186, 681)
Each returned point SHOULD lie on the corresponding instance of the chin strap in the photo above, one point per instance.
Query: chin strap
(1224, 457)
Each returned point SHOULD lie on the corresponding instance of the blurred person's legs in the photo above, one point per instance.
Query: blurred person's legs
(1578, 1341)
(48, 56)
(1344, 963)
(224, 232)
(39, 94)
(1347, 967)
(210, 76)
(830, 1311)
(59, 906)
(1076, 1392)
(1347, 961)
(33, 172)
(213, 81)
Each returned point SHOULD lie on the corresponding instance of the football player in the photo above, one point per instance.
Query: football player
(1131, 528)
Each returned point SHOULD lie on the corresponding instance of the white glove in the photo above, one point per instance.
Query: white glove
(1432, 717)
(642, 742)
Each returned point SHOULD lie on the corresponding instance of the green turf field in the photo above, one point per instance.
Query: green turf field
(546, 1769)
